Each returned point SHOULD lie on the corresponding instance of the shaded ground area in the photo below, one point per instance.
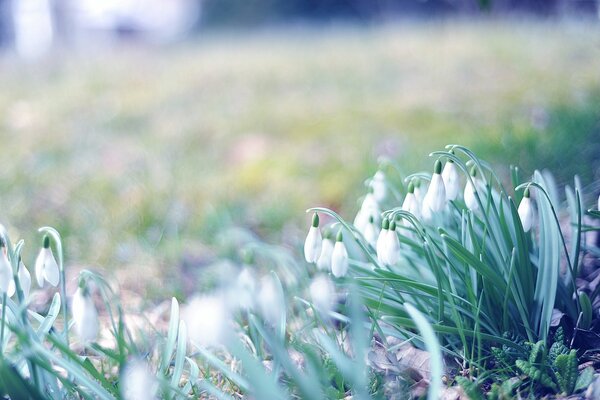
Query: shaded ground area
(137, 154)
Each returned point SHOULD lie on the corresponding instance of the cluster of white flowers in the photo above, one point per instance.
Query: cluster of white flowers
(324, 252)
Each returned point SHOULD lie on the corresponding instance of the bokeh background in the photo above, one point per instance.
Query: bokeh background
(147, 131)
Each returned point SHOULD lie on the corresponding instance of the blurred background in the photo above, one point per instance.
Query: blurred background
(145, 130)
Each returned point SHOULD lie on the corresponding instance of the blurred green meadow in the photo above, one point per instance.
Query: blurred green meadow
(140, 156)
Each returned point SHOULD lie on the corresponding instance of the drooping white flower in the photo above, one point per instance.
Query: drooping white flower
(206, 318)
(324, 261)
(470, 191)
(371, 232)
(392, 245)
(313, 242)
(411, 203)
(24, 279)
(322, 293)
(379, 186)
(270, 299)
(6, 272)
(526, 211)
(85, 315)
(46, 267)
(382, 242)
(243, 292)
(435, 198)
(339, 258)
(369, 208)
(137, 383)
(418, 191)
(451, 180)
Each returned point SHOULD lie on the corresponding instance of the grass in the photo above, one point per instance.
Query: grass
(142, 154)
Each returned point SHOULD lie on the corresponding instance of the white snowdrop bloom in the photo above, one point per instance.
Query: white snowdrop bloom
(469, 195)
(270, 300)
(339, 258)
(322, 293)
(382, 242)
(451, 180)
(379, 186)
(46, 267)
(526, 211)
(435, 198)
(6, 273)
(419, 191)
(206, 318)
(371, 232)
(324, 261)
(369, 208)
(411, 203)
(392, 245)
(24, 279)
(245, 289)
(598, 202)
(313, 242)
(137, 383)
(85, 315)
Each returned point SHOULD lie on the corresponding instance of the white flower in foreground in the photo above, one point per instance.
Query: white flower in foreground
(322, 293)
(207, 319)
(435, 198)
(137, 383)
(526, 211)
(369, 208)
(24, 279)
(245, 289)
(324, 261)
(379, 186)
(371, 232)
(6, 272)
(451, 180)
(85, 315)
(382, 242)
(46, 267)
(411, 203)
(339, 258)
(313, 242)
(470, 195)
(270, 300)
(392, 245)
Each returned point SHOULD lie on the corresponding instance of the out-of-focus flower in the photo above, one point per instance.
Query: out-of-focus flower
(526, 211)
(207, 318)
(382, 241)
(313, 242)
(322, 293)
(379, 186)
(369, 208)
(392, 245)
(451, 180)
(85, 315)
(245, 289)
(339, 258)
(371, 232)
(137, 383)
(6, 272)
(46, 267)
(324, 261)
(435, 199)
(470, 196)
(270, 300)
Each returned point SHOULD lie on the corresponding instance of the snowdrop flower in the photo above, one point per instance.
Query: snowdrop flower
(6, 272)
(526, 211)
(313, 242)
(206, 318)
(371, 232)
(435, 198)
(392, 245)
(322, 293)
(379, 186)
(339, 258)
(137, 383)
(85, 315)
(46, 267)
(24, 279)
(470, 196)
(324, 261)
(244, 290)
(451, 180)
(369, 208)
(382, 242)
(598, 202)
(270, 300)
(418, 191)
(411, 203)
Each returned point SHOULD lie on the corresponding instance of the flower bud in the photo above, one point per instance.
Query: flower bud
(85, 316)
(392, 245)
(451, 180)
(469, 195)
(382, 242)
(339, 258)
(435, 199)
(46, 267)
(324, 261)
(526, 211)
(313, 242)
(371, 232)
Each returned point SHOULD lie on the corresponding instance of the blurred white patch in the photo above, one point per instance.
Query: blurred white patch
(322, 293)
(137, 383)
(207, 319)
(244, 290)
(270, 300)
(33, 28)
